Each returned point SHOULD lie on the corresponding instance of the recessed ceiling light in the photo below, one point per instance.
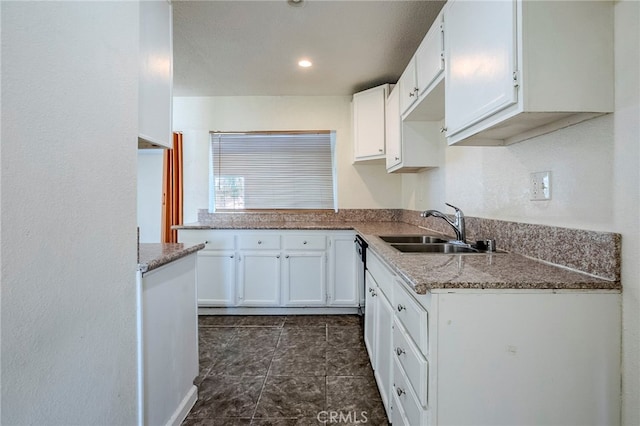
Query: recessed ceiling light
(305, 63)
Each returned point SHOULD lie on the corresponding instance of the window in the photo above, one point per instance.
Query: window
(272, 170)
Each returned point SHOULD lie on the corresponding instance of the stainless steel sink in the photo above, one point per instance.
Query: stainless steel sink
(411, 239)
(434, 248)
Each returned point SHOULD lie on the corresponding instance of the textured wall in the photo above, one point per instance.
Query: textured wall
(69, 127)
(362, 186)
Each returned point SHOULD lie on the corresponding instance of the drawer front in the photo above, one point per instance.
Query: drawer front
(413, 317)
(383, 276)
(398, 417)
(259, 242)
(213, 239)
(304, 242)
(412, 362)
(414, 413)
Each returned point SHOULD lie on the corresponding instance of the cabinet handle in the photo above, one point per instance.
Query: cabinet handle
(399, 351)
(304, 242)
(397, 158)
(206, 242)
(259, 242)
(370, 289)
(400, 391)
(412, 94)
(231, 257)
(278, 257)
(373, 294)
(286, 257)
(443, 129)
(379, 149)
(400, 307)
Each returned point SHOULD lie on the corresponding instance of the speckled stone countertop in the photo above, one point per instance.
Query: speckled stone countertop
(153, 256)
(435, 272)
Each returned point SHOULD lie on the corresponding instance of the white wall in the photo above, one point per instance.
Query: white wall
(361, 186)
(595, 185)
(69, 110)
(150, 194)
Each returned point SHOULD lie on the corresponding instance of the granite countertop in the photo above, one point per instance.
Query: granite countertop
(434, 272)
(442, 272)
(154, 255)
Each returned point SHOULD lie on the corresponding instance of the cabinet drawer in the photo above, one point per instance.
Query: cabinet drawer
(383, 276)
(413, 317)
(398, 416)
(412, 362)
(304, 242)
(213, 239)
(413, 411)
(259, 242)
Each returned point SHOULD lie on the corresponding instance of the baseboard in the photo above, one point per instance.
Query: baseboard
(277, 311)
(185, 406)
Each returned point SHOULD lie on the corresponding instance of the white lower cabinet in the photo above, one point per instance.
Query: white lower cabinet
(342, 289)
(216, 278)
(259, 278)
(275, 268)
(383, 341)
(493, 357)
(304, 280)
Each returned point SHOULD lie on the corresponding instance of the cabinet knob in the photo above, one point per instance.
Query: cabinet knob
(370, 289)
(206, 242)
(373, 294)
(412, 94)
(397, 158)
(286, 257)
(278, 257)
(443, 129)
(304, 242)
(259, 242)
(380, 150)
(231, 257)
(399, 351)
(401, 308)
(400, 391)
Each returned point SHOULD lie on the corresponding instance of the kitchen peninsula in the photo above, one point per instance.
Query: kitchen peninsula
(167, 332)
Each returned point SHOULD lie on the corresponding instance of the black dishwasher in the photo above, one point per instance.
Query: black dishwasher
(361, 253)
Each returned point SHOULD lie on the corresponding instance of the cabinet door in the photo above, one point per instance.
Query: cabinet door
(429, 57)
(370, 312)
(481, 61)
(259, 283)
(383, 349)
(343, 290)
(156, 73)
(304, 279)
(216, 278)
(408, 86)
(368, 122)
(394, 128)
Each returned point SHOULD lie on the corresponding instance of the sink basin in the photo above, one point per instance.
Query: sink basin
(411, 239)
(433, 248)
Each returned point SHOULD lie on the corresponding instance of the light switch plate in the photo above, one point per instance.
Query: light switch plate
(540, 186)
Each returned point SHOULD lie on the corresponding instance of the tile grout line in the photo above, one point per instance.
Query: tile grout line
(266, 376)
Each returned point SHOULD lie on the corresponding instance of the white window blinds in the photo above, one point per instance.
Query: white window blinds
(272, 171)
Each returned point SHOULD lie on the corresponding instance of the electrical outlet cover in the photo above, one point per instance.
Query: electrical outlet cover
(540, 186)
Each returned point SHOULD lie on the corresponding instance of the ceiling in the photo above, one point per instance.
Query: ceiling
(243, 48)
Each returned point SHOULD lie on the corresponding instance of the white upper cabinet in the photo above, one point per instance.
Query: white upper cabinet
(369, 123)
(394, 129)
(408, 86)
(156, 75)
(428, 61)
(518, 69)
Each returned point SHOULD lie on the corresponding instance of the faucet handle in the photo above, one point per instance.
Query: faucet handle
(455, 208)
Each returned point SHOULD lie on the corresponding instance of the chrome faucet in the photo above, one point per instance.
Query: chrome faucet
(457, 224)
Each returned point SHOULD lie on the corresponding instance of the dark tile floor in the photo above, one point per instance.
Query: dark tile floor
(284, 370)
